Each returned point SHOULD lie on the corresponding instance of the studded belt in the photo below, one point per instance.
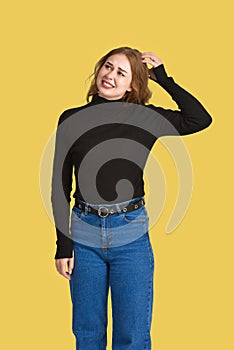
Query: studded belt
(105, 211)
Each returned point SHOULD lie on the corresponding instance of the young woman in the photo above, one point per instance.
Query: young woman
(110, 244)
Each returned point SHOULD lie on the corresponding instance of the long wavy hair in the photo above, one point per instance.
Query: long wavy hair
(140, 93)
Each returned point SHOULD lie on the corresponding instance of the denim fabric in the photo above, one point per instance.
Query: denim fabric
(127, 268)
(111, 231)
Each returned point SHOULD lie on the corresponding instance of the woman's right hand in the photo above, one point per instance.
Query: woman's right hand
(62, 264)
(153, 60)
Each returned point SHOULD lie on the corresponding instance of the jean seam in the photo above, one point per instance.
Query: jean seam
(109, 236)
(102, 232)
(149, 294)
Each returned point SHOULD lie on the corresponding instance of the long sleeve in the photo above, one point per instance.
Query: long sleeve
(61, 190)
(192, 116)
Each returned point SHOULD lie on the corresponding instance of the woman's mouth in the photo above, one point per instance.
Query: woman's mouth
(107, 85)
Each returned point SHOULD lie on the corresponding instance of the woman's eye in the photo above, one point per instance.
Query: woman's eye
(107, 66)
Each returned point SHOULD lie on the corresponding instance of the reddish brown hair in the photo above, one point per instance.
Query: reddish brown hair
(140, 92)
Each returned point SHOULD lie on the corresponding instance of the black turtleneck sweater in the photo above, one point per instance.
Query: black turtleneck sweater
(191, 117)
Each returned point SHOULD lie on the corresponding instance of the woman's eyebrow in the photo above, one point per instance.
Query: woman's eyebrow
(119, 67)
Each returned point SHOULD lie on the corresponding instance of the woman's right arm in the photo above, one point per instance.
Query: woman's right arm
(60, 192)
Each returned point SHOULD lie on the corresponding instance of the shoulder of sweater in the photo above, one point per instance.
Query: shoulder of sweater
(68, 112)
(157, 108)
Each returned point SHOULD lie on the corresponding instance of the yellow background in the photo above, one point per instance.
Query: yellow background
(48, 50)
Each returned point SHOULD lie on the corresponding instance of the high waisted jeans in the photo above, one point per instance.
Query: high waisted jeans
(117, 254)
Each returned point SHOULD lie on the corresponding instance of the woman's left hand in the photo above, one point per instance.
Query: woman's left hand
(151, 58)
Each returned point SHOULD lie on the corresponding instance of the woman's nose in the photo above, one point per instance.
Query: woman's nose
(110, 75)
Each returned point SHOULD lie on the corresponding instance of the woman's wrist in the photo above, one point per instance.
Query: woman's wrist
(158, 73)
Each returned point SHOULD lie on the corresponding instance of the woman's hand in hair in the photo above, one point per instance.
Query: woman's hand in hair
(62, 264)
(153, 60)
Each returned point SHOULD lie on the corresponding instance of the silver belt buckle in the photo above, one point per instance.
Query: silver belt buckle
(100, 213)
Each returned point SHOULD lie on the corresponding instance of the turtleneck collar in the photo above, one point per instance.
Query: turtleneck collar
(96, 99)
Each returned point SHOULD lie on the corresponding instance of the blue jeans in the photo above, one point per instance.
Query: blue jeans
(106, 260)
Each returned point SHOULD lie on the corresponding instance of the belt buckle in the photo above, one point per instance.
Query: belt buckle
(100, 213)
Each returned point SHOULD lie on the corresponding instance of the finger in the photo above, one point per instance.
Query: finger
(149, 62)
(152, 56)
(61, 267)
(67, 275)
(70, 265)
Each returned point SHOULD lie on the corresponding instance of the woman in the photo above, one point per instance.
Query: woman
(110, 245)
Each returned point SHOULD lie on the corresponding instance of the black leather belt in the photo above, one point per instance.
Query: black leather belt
(105, 211)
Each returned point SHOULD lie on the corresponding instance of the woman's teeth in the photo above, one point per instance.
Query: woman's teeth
(107, 84)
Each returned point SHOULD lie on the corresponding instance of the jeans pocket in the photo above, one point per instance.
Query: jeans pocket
(76, 215)
(136, 216)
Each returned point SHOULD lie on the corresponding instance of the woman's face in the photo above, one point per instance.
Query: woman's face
(114, 77)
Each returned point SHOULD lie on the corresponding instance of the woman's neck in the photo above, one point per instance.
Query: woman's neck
(99, 99)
